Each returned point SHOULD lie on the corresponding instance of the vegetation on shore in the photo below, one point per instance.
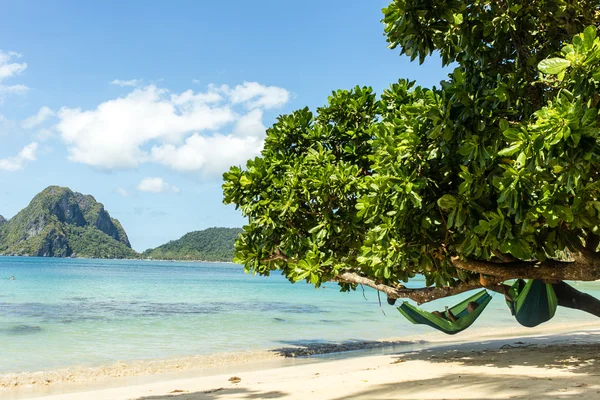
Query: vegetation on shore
(212, 244)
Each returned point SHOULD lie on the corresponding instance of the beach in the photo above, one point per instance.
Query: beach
(551, 365)
(106, 329)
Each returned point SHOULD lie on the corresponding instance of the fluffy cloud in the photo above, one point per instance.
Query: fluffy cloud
(122, 83)
(35, 120)
(112, 135)
(8, 69)
(250, 124)
(18, 162)
(156, 185)
(183, 131)
(210, 154)
(255, 95)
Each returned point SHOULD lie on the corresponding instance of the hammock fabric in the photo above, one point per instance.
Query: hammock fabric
(533, 303)
(464, 319)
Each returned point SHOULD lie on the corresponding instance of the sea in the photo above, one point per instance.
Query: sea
(60, 313)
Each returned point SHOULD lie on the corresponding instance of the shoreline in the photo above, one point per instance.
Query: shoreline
(120, 259)
(144, 372)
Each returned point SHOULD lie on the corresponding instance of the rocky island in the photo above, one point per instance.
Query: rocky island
(61, 223)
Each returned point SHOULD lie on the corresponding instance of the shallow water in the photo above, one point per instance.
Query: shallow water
(73, 312)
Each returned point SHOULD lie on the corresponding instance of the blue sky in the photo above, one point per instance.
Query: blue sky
(144, 104)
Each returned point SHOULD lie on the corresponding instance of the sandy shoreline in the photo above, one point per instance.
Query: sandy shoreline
(555, 364)
(206, 364)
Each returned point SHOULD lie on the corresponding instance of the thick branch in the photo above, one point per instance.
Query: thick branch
(570, 297)
(419, 295)
(584, 267)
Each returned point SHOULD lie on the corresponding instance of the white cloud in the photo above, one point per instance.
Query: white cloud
(156, 185)
(35, 120)
(122, 83)
(250, 124)
(180, 130)
(189, 97)
(8, 69)
(18, 162)
(112, 135)
(255, 95)
(13, 89)
(210, 154)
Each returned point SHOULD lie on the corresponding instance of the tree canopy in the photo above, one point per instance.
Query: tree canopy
(494, 173)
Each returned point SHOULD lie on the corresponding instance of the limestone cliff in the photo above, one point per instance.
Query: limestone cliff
(59, 223)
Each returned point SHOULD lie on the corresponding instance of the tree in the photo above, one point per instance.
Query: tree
(493, 176)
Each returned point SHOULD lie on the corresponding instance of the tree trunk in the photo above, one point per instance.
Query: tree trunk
(570, 297)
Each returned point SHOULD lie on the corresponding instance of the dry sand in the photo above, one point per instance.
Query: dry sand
(551, 366)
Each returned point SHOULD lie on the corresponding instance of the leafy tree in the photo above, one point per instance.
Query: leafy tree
(492, 176)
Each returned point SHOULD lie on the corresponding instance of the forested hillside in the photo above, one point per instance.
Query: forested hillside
(212, 244)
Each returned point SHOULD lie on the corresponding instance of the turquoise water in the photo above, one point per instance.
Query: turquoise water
(72, 312)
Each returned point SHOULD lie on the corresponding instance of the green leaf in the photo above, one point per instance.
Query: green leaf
(589, 34)
(553, 66)
(458, 19)
(244, 181)
(459, 76)
(509, 151)
(522, 159)
(447, 202)
(511, 134)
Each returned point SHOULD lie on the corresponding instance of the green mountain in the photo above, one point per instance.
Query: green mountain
(61, 223)
(212, 244)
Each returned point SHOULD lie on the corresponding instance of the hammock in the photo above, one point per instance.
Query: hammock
(533, 303)
(464, 319)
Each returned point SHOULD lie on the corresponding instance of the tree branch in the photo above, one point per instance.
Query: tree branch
(584, 267)
(570, 297)
(419, 295)
(277, 256)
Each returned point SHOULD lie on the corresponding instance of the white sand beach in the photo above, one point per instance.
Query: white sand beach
(549, 365)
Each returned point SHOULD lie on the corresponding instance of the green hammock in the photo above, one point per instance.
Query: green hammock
(464, 319)
(533, 303)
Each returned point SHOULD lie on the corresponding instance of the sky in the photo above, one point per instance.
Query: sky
(144, 104)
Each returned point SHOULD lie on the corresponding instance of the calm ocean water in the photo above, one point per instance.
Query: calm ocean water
(72, 312)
